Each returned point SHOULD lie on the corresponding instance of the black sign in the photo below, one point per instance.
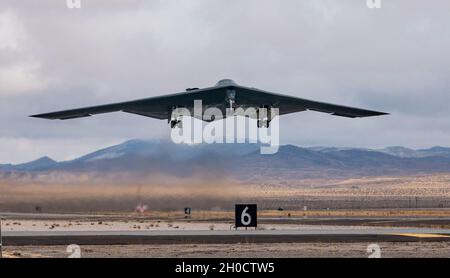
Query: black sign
(246, 216)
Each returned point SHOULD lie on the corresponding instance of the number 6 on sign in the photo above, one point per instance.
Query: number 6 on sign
(246, 216)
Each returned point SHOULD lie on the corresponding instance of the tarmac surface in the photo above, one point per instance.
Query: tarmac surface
(284, 230)
(320, 234)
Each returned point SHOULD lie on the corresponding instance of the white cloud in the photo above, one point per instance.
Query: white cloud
(20, 79)
(396, 58)
(19, 72)
(12, 32)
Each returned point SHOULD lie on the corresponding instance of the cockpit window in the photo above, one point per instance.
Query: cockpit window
(225, 82)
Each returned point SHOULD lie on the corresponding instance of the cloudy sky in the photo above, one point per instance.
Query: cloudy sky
(394, 59)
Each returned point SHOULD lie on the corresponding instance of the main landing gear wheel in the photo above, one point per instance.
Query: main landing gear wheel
(176, 123)
(265, 121)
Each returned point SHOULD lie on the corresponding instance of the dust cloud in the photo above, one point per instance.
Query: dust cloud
(63, 192)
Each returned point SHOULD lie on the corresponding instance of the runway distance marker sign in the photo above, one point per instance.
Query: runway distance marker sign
(246, 216)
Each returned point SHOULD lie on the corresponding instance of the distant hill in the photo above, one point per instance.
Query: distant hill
(244, 161)
(405, 152)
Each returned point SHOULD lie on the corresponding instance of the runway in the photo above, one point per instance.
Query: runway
(23, 229)
(318, 234)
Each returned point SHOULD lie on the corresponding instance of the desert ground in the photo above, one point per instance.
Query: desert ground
(205, 221)
(167, 222)
(281, 250)
(89, 204)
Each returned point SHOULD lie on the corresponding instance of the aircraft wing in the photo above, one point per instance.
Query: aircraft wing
(161, 107)
(288, 104)
(155, 107)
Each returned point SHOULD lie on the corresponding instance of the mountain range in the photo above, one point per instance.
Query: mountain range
(244, 161)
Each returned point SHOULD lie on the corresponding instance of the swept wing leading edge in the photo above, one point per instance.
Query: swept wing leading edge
(161, 107)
